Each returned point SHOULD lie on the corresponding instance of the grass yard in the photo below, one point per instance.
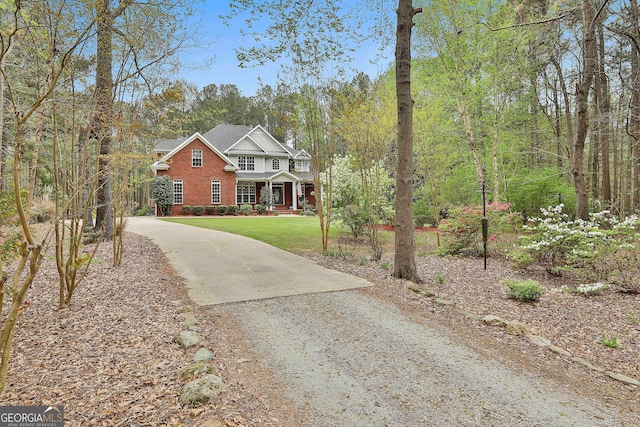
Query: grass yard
(301, 234)
(297, 234)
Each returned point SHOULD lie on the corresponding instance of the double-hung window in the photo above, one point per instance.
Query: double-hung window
(196, 158)
(302, 165)
(275, 164)
(247, 163)
(215, 192)
(246, 193)
(177, 191)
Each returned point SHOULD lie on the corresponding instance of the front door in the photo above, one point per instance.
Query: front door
(278, 194)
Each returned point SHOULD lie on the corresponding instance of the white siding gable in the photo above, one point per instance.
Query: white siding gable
(268, 143)
(246, 145)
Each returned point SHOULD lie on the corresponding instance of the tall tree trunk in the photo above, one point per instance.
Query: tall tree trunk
(471, 138)
(102, 123)
(604, 112)
(557, 129)
(567, 99)
(584, 87)
(4, 141)
(634, 121)
(405, 263)
(496, 116)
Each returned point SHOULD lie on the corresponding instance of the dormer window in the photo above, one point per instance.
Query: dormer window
(302, 165)
(275, 164)
(196, 158)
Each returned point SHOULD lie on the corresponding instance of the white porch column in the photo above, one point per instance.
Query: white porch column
(294, 194)
(271, 207)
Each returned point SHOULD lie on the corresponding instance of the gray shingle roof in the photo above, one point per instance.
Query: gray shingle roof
(166, 145)
(224, 136)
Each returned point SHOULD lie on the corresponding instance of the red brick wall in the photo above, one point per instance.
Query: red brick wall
(196, 181)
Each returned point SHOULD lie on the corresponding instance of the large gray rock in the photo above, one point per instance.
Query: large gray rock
(203, 355)
(195, 369)
(187, 339)
(189, 321)
(201, 390)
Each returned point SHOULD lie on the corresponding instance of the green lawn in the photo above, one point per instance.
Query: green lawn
(297, 234)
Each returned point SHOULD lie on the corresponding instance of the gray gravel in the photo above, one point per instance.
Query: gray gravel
(352, 360)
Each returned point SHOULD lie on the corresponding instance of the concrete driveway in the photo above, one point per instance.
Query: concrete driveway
(222, 267)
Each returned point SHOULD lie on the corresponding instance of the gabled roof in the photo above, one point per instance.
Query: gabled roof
(224, 136)
(166, 145)
(257, 144)
(162, 164)
(301, 155)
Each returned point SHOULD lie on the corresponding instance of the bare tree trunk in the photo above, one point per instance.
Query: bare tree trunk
(565, 95)
(496, 116)
(584, 87)
(471, 139)
(557, 126)
(102, 123)
(4, 144)
(604, 112)
(405, 263)
(634, 121)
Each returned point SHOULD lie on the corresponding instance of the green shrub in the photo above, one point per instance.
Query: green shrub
(222, 209)
(534, 188)
(592, 251)
(261, 209)
(266, 197)
(461, 232)
(210, 210)
(245, 210)
(143, 211)
(198, 210)
(525, 291)
(186, 209)
(232, 210)
(9, 244)
(162, 192)
(8, 206)
(355, 218)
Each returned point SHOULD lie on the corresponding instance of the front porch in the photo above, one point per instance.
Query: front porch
(287, 196)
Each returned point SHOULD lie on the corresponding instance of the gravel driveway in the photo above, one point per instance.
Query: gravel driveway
(349, 359)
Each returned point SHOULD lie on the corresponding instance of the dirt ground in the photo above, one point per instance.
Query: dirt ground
(109, 359)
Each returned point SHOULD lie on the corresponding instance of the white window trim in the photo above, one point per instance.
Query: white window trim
(180, 183)
(216, 183)
(275, 164)
(245, 161)
(196, 158)
(246, 197)
(302, 165)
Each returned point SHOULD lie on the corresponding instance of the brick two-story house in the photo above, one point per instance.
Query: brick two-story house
(230, 164)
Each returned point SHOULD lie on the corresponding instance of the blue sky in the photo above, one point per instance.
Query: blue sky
(217, 63)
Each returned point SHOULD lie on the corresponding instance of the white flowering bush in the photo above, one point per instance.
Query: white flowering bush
(587, 289)
(592, 250)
